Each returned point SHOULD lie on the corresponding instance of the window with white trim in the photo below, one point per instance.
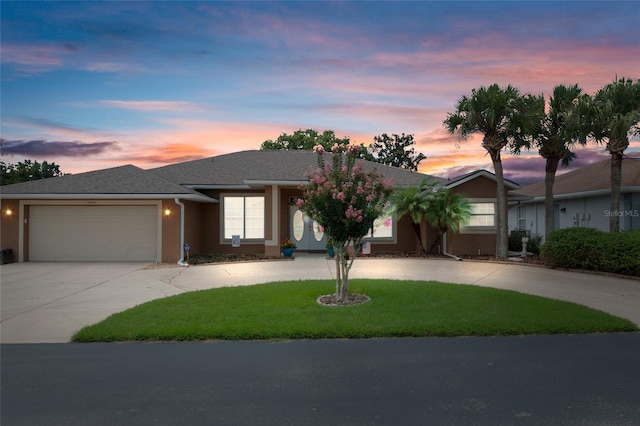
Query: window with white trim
(483, 215)
(382, 228)
(244, 216)
(522, 218)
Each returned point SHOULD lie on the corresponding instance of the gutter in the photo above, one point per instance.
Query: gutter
(88, 196)
(181, 261)
(444, 248)
(585, 194)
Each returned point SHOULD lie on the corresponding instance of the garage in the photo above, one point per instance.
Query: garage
(93, 233)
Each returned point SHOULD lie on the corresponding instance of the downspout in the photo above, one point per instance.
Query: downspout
(181, 261)
(444, 248)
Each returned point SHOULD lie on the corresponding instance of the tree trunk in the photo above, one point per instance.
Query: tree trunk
(343, 265)
(502, 240)
(616, 181)
(551, 168)
(339, 253)
(416, 228)
(441, 232)
(435, 243)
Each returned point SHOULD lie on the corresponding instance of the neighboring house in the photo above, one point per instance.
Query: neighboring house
(582, 198)
(129, 214)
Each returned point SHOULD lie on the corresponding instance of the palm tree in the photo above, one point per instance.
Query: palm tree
(558, 133)
(413, 201)
(447, 210)
(505, 118)
(613, 115)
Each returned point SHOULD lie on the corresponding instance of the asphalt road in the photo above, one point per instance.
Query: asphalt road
(532, 380)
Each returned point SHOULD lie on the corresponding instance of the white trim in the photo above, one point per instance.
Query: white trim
(507, 183)
(206, 186)
(262, 182)
(129, 197)
(227, 241)
(585, 194)
(482, 229)
(393, 239)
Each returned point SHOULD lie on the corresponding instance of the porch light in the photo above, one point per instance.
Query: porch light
(167, 212)
(8, 212)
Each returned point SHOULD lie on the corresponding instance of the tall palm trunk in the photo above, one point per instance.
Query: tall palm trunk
(502, 242)
(616, 182)
(551, 168)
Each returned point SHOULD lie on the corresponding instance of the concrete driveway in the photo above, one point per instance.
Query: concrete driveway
(48, 302)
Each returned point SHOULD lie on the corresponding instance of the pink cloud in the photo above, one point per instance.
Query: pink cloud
(35, 58)
(173, 106)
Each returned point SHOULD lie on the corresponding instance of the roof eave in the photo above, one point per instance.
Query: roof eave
(509, 184)
(190, 197)
(216, 186)
(265, 182)
(584, 194)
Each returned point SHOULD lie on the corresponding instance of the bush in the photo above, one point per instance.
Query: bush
(590, 249)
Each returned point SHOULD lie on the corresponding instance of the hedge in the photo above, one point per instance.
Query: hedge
(590, 249)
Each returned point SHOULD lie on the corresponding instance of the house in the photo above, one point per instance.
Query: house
(582, 198)
(478, 237)
(242, 202)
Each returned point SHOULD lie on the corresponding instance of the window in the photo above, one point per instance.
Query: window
(483, 215)
(243, 216)
(522, 218)
(382, 228)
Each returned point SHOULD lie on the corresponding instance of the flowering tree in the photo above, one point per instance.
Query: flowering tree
(345, 200)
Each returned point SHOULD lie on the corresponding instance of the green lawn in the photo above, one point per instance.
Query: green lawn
(288, 310)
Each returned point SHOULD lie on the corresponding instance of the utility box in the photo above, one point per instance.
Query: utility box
(6, 256)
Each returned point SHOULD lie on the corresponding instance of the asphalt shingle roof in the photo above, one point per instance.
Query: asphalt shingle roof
(118, 180)
(593, 177)
(257, 165)
(235, 169)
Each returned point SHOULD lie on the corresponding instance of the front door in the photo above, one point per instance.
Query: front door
(305, 232)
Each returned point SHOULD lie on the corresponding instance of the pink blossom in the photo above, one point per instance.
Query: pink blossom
(353, 149)
(318, 149)
(299, 202)
(340, 196)
(359, 219)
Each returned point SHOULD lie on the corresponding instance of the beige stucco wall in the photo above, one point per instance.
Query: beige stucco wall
(210, 232)
(474, 244)
(9, 217)
(170, 232)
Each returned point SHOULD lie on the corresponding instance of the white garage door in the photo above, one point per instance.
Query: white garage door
(93, 233)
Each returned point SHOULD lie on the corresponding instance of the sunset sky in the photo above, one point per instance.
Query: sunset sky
(92, 85)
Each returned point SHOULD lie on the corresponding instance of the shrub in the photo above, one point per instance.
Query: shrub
(590, 249)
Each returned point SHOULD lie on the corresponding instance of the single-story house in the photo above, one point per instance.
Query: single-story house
(242, 202)
(582, 198)
(478, 237)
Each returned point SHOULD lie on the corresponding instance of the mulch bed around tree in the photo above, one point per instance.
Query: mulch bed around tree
(352, 299)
